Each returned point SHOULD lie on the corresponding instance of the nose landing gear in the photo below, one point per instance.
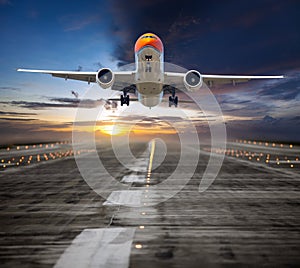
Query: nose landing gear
(173, 100)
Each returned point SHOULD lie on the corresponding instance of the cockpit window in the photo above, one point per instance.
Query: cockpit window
(149, 36)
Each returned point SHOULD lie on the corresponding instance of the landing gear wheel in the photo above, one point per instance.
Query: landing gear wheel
(171, 101)
(176, 101)
(127, 100)
(122, 100)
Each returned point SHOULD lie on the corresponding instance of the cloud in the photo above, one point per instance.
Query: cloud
(267, 128)
(216, 37)
(18, 119)
(283, 89)
(5, 2)
(40, 105)
(278, 97)
(239, 105)
(228, 100)
(99, 65)
(57, 103)
(76, 22)
(66, 100)
(81, 103)
(16, 113)
(16, 116)
(269, 120)
(10, 88)
(22, 131)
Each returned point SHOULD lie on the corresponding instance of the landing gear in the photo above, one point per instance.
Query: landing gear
(176, 101)
(173, 100)
(125, 100)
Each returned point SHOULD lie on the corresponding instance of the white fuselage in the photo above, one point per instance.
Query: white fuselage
(149, 76)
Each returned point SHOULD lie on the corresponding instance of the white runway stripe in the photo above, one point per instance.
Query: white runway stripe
(134, 178)
(105, 247)
(129, 197)
(140, 165)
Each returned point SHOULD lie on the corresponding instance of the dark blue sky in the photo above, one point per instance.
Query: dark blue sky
(220, 37)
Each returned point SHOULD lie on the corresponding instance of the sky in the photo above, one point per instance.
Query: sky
(214, 37)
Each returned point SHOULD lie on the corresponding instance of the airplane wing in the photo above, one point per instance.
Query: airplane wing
(122, 78)
(176, 79)
(211, 79)
(74, 75)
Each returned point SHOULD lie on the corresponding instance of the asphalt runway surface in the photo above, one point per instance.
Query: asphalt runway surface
(249, 216)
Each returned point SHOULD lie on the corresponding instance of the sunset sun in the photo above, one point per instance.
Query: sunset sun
(112, 130)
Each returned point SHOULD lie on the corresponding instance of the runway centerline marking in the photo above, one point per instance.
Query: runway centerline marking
(151, 156)
(103, 248)
(133, 197)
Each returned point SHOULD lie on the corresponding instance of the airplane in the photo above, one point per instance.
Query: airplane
(149, 81)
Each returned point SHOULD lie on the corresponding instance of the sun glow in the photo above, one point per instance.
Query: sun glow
(112, 130)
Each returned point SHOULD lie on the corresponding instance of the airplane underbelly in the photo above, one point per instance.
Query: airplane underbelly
(150, 100)
(149, 88)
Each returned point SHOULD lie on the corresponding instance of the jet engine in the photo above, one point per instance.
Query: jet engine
(192, 80)
(105, 78)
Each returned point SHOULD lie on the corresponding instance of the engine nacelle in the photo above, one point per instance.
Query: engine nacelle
(105, 77)
(192, 80)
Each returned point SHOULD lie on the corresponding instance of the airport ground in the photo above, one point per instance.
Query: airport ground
(249, 216)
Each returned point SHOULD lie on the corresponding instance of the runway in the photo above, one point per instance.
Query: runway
(249, 216)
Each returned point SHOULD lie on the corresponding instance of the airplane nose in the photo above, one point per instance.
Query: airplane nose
(148, 40)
